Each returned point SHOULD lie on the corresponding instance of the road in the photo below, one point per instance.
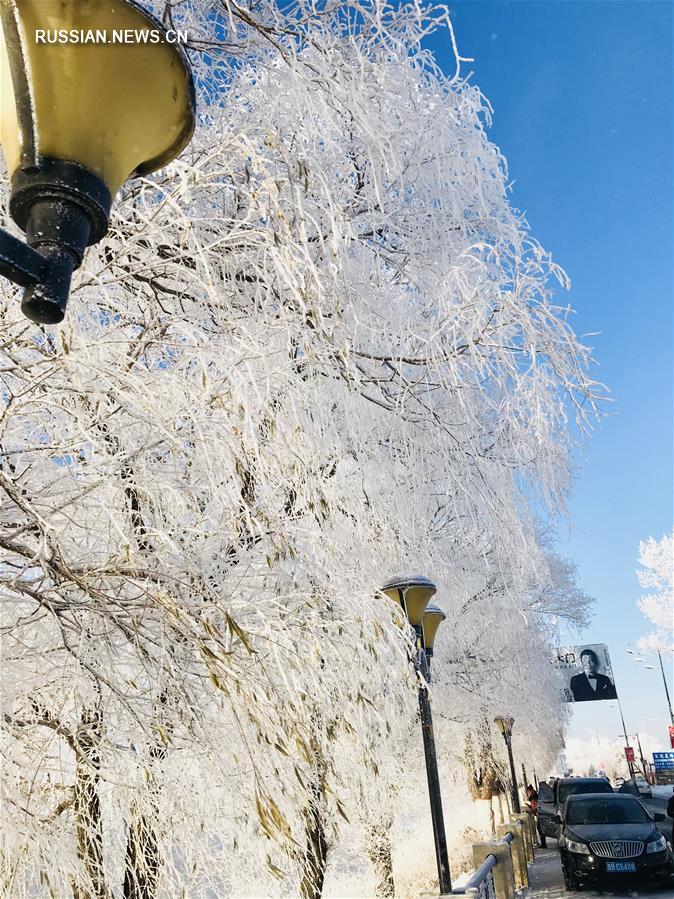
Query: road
(547, 883)
(658, 804)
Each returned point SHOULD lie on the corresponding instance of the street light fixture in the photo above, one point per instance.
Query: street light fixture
(505, 725)
(77, 120)
(413, 593)
(664, 679)
(431, 621)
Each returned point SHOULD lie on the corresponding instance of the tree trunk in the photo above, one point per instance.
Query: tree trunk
(87, 806)
(500, 808)
(492, 819)
(316, 855)
(378, 847)
(143, 857)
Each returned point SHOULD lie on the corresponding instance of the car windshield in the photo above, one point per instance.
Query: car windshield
(606, 811)
(569, 789)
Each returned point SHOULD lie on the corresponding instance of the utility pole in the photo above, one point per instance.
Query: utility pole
(664, 681)
(630, 765)
(641, 756)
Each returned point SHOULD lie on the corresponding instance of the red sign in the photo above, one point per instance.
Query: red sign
(671, 735)
(629, 753)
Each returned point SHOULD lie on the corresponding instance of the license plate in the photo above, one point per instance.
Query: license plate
(621, 867)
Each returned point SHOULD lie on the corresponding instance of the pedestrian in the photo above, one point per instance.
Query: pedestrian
(532, 808)
(670, 812)
(532, 798)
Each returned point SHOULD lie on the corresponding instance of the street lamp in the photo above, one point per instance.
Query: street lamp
(505, 725)
(413, 593)
(664, 680)
(77, 120)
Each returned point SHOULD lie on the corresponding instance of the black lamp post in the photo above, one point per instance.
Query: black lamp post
(77, 120)
(413, 593)
(505, 725)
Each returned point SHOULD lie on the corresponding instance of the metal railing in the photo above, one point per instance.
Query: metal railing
(480, 884)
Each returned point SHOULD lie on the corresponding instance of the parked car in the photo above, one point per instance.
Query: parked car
(637, 786)
(608, 837)
(551, 799)
(653, 800)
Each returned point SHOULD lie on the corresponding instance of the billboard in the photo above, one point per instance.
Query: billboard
(587, 672)
(663, 761)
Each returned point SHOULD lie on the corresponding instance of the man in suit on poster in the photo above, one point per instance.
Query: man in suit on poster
(589, 685)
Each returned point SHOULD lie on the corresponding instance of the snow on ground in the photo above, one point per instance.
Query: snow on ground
(350, 875)
(662, 791)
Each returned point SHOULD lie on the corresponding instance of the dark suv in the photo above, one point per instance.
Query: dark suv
(607, 838)
(551, 799)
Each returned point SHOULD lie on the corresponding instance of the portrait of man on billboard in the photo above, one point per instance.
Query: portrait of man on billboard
(590, 684)
(587, 672)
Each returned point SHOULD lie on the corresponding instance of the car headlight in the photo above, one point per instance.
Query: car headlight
(578, 848)
(658, 845)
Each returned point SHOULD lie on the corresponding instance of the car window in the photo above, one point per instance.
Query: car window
(544, 793)
(613, 811)
(569, 789)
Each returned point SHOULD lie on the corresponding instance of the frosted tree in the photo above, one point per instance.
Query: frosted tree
(321, 348)
(503, 665)
(656, 574)
(492, 657)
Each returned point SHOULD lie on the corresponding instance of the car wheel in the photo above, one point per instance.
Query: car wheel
(667, 877)
(570, 878)
(570, 882)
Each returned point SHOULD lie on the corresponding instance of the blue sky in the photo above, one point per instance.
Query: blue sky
(583, 112)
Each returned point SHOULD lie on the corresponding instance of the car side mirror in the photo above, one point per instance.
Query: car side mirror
(558, 819)
(659, 817)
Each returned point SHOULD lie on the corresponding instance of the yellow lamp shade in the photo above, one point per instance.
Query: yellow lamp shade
(505, 725)
(431, 621)
(413, 592)
(114, 108)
